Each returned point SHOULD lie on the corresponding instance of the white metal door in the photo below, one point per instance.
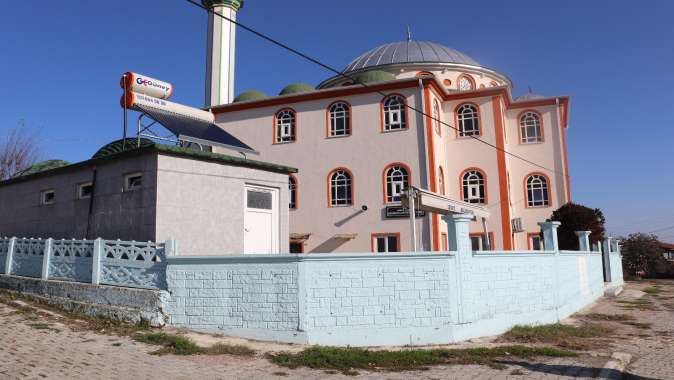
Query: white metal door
(260, 220)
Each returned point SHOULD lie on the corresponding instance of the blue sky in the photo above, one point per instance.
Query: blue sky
(61, 63)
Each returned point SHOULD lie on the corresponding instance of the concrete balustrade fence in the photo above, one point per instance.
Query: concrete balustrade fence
(108, 262)
(359, 299)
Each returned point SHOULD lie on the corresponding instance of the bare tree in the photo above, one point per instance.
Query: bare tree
(18, 150)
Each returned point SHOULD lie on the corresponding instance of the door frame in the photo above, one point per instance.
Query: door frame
(275, 214)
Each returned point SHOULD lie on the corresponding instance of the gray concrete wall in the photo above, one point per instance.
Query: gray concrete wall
(201, 205)
(116, 214)
(126, 304)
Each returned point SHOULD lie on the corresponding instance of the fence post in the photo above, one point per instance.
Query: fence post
(96, 262)
(551, 243)
(46, 254)
(606, 258)
(171, 247)
(458, 239)
(10, 254)
(550, 235)
(583, 240)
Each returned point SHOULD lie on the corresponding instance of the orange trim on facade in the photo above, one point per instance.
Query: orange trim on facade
(435, 218)
(456, 120)
(445, 242)
(383, 116)
(484, 178)
(519, 126)
(526, 190)
(275, 131)
(328, 126)
(529, 236)
(384, 234)
(353, 186)
(563, 111)
(481, 234)
(383, 176)
(337, 92)
(297, 186)
(502, 174)
(423, 74)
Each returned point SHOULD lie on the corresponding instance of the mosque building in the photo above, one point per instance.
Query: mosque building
(357, 147)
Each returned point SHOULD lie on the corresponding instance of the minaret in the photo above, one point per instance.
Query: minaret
(221, 48)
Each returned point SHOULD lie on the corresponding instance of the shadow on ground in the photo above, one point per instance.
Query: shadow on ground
(573, 370)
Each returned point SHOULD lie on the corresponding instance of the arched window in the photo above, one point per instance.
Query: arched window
(441, 180)
(340, 119)
(537, 191)
(396, 178)
(395, 114)
(530, 128)
(493, 84)
(285, 126)
(465, 83)
(468, 119)
(292, 187)
(341, 190)
(472, 182)
(436, 117)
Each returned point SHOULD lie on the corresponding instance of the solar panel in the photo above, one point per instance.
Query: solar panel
(196, 131)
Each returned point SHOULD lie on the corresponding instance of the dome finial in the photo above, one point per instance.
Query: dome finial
(409, 33)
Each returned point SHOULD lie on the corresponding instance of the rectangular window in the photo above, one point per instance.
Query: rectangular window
(85, 190)
(259, 199)
(133, 181)
(47, 197)
(296, 247)
(479, 242)
(535, 242)
(445, 244)
(386, 242)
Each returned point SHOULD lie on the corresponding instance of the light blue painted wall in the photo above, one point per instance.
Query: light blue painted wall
(382, 299)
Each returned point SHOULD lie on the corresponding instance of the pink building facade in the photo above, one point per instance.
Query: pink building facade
(410, 113)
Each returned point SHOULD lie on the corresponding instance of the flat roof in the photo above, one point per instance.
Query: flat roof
(167, 150)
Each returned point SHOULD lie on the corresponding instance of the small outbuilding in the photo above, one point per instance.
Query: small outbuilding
(213, 204)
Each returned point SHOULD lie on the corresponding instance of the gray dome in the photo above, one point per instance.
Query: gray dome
(409, 52)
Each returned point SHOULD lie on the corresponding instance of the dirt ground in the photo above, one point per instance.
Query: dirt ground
(38, 343)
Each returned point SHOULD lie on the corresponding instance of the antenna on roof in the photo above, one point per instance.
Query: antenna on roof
(409, 34)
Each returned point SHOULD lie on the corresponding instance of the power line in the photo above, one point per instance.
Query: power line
(662, 229)
(356, 81)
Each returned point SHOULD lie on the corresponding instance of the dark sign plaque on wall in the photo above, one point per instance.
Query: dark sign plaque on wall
(394, 212)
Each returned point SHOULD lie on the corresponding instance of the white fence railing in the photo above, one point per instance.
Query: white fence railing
(109, 262)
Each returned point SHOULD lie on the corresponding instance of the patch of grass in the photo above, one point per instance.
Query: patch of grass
(346, 360)
(180, 345)
(43, 326)
(609, 317)
(573, 337)
(653, 290)
(229, 349)
(171, 344)
(636, 304)
(639, 325)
